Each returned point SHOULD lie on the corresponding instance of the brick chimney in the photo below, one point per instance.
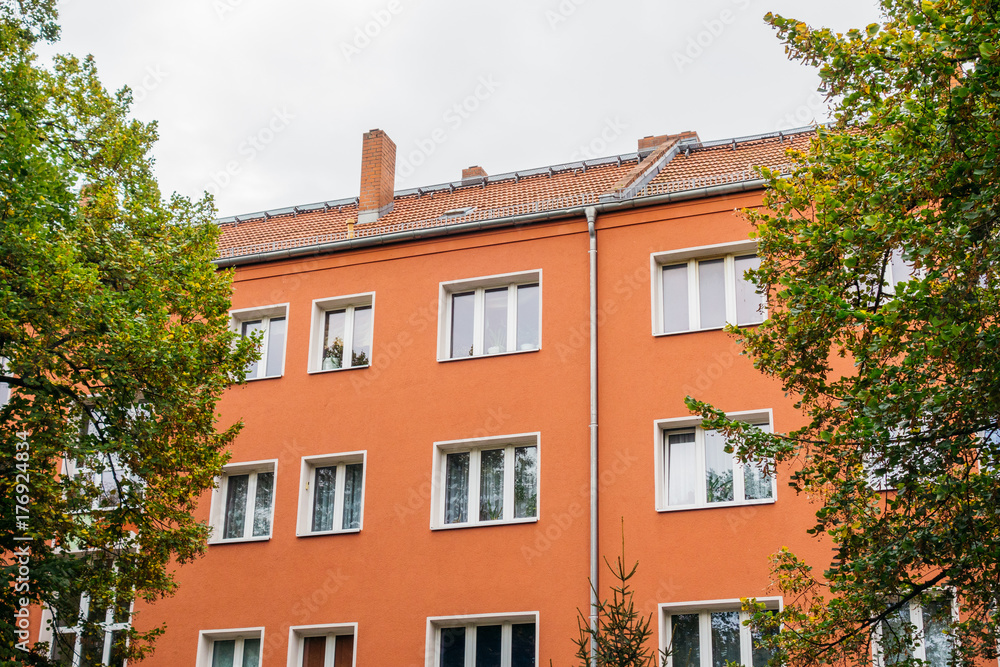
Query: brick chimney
(378, 176)
(474, 171)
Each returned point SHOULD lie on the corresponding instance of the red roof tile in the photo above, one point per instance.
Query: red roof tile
(537, 190)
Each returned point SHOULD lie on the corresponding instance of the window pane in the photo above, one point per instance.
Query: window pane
(236, 506)
(452, 647)
(314, 652)
(275, 347)
(352, 496)
(117, 658)
(899, 270)
(463, 308)
(333, 339)
(93, 650)
(676, 311)
(718, 469)
(247, 329)
(525, 482)
(262, 504)
(361, 348)
(456, 500)
(522, 648)
(491, 464)
(527, 317)
(756, 482)
(344, 651)
(725, 637)
(223, 653)
(682, 468)
(495, 324)
(894, 641)
(488, 638)
(937, 644)
(712, 293)
(251, 652)
(324, 497)
(761, 654)
(684, 644)
(749, 301)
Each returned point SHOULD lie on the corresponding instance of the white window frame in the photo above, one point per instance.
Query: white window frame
(704, 609)
(691, 256)
(306, 491)
(760, 418)
(916, 608)
(265, 314)
(320, 308)
(49, 630)
(207, 639)
(219, 493)
(297, 636)
(436, 623)
(4, 387)
(479, 286)
(121, 475)
(440, 471)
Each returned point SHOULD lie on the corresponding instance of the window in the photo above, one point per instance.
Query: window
(322, 645)
(269, 325)
(4, 387)
(926, 623)
(100, 475)
(484, 641)
(712, 634)
(332, 493)
(77, 642)
(230, 648)
(493, 480)
(704, 288)
(342, 333)
(243, 502)
(490, 316)
(694, 469)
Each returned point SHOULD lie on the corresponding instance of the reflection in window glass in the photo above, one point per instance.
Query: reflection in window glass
(236, 504)
(527, 317)
(491, 467)
(463, 308)
(525, 482)
(725, 638)
(333, 337)
(718, 469)
(456, 503)
(361, 349)
(749, 302)
(685, 645)
(353, 479)
(495, 325)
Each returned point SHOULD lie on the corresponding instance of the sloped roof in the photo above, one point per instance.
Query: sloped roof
(685, 164)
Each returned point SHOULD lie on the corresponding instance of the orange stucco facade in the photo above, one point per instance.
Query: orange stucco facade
(397, 572)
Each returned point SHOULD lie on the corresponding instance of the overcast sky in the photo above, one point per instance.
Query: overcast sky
(264, 103)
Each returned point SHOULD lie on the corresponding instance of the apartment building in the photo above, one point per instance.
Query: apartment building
(471, 393)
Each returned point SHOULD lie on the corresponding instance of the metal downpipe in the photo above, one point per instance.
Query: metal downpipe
(592, 231)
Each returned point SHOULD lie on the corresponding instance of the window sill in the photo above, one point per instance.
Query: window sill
(266, 377)
(712, 506)
(485, 524)
(349, 531)
(239, 540)
(487, 356)
(661, 334)
(320, 371)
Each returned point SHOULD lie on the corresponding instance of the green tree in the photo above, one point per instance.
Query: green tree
(114, 343)
(880, 258)
(620, 636)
